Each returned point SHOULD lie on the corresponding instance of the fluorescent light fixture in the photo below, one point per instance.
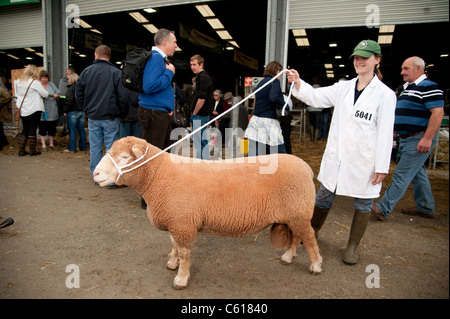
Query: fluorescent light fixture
(29, 58)
(82, 23)
(299, 32)
(234, 43)
(96, 31)
(205, 10)
(138, 17)
(328, 66)
(30, 49)
(385, 39)
(337, 57)
(341, 65)
(39, 54)
(302, 42)
(119, 62)
(445, 55)
(215, 23)
(150, 27)
(333, 44)
(82, 55)
(330, 75)
(224, 35)
(389, 28)
(178, 49)
(230, 47)
(150, 10)
(13, 56)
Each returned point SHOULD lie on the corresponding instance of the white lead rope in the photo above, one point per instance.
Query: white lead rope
(121, 172)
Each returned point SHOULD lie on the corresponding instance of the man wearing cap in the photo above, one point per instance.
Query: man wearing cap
(418, 116)
(358, 151)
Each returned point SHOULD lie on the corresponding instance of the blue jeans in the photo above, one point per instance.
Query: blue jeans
(324, 200)
(410, 169)
(200, 140)
(256, 148)
(100, 131)
(75, 122)
(129, 129)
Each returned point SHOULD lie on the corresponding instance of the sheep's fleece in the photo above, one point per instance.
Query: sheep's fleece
(219, 197)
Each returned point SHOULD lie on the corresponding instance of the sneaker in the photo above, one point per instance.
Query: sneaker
(415, 212)
(376, 212)
(5, 222)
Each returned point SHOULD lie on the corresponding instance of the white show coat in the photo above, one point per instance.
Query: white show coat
(360, 138)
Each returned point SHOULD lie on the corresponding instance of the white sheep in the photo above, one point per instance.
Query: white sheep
(227, 199)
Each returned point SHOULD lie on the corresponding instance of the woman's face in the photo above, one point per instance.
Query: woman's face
(44, 80)
(365, 65)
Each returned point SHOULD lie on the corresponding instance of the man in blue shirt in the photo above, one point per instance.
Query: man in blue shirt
(418, 117)
(157, 102)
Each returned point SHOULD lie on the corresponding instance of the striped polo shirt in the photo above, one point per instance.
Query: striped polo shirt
(412, 111)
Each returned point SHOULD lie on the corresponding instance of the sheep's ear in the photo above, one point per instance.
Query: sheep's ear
(138, 150)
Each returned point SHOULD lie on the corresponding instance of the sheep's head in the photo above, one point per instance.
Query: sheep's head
(122, 152)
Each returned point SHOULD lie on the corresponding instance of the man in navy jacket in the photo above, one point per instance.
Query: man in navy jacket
(100, 92)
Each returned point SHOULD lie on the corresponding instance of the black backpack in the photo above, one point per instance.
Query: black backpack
(133, 69)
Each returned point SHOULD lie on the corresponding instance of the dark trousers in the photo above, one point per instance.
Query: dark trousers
(31, 123)
(156, 126)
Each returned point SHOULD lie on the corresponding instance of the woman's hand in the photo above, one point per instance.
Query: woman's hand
(378, 178)
(293, 77)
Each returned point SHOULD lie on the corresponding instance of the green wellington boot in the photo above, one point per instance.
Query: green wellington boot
(359, 225)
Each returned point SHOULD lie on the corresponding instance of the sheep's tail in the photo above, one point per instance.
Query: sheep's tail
(280, 236)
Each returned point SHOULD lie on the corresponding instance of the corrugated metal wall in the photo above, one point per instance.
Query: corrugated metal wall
(340, 13)
(89, 7)
(21, 26)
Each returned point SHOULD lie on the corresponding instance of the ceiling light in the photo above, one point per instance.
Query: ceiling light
(13, 56)
(234, 43)
(96, 31)
(138, 17)
(333, 44)
(150, 10)
(30, 49)
(205, 10)
(299, 32)
(230, 47)
(224, 35)
(302, 42)
(150, 27)
(445, 55)
(215, 23)
(337, 57)
(82, 55)
(82, 23)
(328, 66)
(39, 54)
(387, 28)
(29, 58)
(341, 65)
(385, 39)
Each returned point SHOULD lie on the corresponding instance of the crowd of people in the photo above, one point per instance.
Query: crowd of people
(366, 114)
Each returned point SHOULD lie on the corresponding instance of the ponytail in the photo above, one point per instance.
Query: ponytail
(377, 68)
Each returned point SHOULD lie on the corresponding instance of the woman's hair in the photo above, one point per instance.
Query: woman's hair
(44, 74)
(31, 72)
(219, 93)
(377, 67)
(272, 69)
(73, 78)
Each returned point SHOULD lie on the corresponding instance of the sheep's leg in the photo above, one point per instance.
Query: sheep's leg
(174, 261)
(291, 252)
(181, 279)
(310, 242)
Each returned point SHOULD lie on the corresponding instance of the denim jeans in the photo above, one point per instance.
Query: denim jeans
(324, 200)
(129, 129)
(256, 149)
(75, 122)
(200, 138)
(101, 131)
(410, 169)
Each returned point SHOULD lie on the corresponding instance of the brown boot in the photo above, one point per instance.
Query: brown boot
(318, 219)
(32, 146)
(359, 225)
(22, 144)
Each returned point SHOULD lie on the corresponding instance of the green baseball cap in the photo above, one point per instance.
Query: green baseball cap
(366, 48)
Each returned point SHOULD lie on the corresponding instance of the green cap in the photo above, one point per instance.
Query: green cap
(366, 48)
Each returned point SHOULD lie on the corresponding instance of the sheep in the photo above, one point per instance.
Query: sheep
(225, 199)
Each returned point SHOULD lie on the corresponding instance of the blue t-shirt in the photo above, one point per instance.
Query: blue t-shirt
(412, 111)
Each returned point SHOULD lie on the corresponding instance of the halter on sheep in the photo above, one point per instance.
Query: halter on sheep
(119, 169)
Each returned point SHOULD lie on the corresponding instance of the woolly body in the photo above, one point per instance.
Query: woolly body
(228, 199)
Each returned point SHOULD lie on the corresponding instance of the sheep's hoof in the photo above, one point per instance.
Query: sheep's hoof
(179, 284)
(287, 258)
(315, 269)
(172, 266)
